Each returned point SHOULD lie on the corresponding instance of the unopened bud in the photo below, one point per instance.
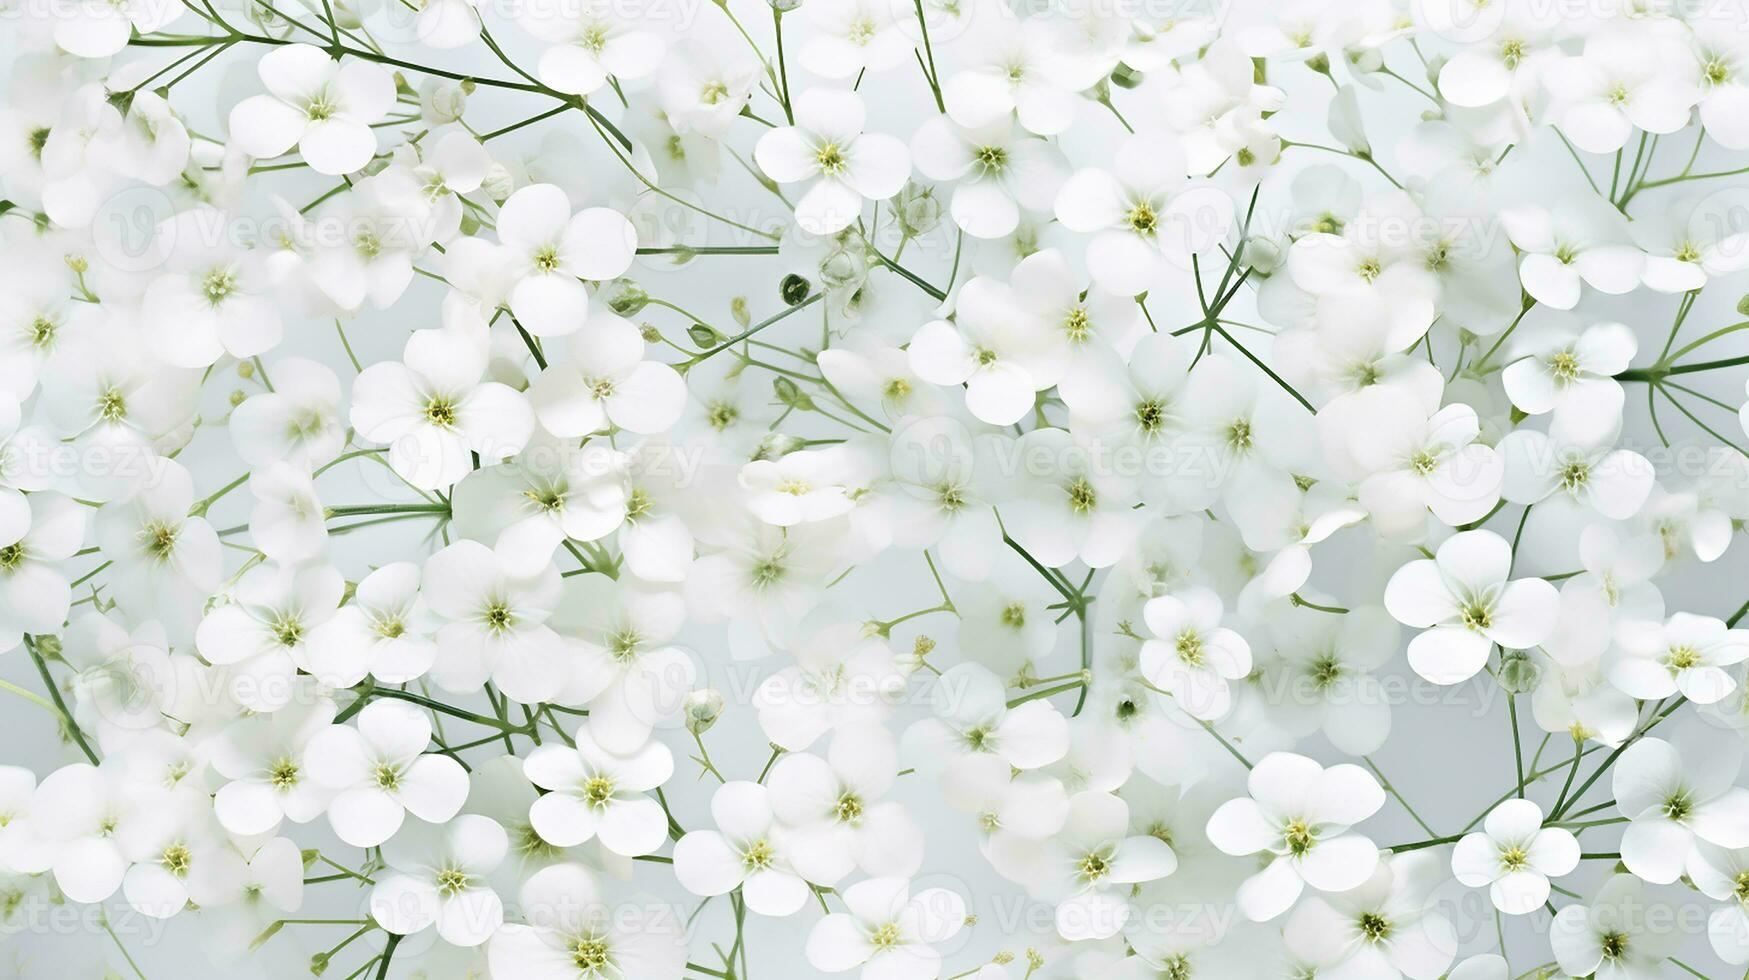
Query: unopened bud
(918, 209)
(1518, 673)
(791, 395)
(1123, 76)
(703, 707)
(498, 183)
(776, 446)
(738, 310)
(704, 336)
(843, 268)
(628, 298)
(794, 289)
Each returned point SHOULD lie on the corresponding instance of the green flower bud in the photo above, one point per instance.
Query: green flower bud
(703, 707)
(1518, 673)
(704, 336)
(628, 299)
(792, 396)
(918, 208)
(776, 446)
(1123, 76)
(793, 289)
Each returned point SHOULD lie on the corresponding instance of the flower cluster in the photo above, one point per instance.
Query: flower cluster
(643, 491)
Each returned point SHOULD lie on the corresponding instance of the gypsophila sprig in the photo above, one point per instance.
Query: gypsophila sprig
(912, 489)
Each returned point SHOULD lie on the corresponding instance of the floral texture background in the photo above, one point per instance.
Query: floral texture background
(908, 489)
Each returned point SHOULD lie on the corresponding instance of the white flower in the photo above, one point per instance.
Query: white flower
(996, 347)
(803, 486)
(82, 813)
(997, 172)
(1390, 926)
(550, 494)
(1074, 504)
(1217, 106)
(166, 562)
(1718, 872)
(386, 631)
(1413, 463)
(1326, 664)
(887, 930)
(1613, 482)
(1373, 262)
(749, 850)
(265, 631)
(972, 717)
(1190, 655)
(122, 407)
(1462, 601)
(589, 43)
(571, 933)
(1688, 654)
(432, 409)
(379, 773)
(360, 247)
(34, 594)
(437, 874)
(297, 422)
(627, 669)
(552, 250)
(1514, 855)
(763, 581)
(949, 480)
(287, 521)
(317, 104)
(213, 300)
(1573, 376)
(1503, 52)
(1301, 813)
(1717, 65)
(604, 380)
(594, 793)
(123, 679)
(1006, 622)
(178, 856)
(1090, 864)
(496, 625)
(264, 759)
(1624, 80)
(456, 165)
(834, 806)
(1139, 215)
(1582, 239)
(1012, 66)
(842, 679)
(96, 29)
(1612, 591)
(845, 166)
(704, 87)
(850, 37)
(1676, 799)
(1614, 934)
